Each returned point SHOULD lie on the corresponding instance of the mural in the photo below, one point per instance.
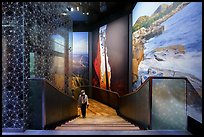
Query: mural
(103, 70)
(167, 41)
(110, 56)
(80, 59)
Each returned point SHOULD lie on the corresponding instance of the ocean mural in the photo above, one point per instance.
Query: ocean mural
(167, 41)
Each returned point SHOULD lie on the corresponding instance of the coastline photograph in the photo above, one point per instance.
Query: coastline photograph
(163, 45)
(167, 42)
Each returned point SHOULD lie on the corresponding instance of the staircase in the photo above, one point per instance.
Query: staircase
(99, 117)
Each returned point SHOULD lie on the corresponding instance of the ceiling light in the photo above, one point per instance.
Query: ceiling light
(72, 9)
(64, 14)
(87, 13)
(77, 8)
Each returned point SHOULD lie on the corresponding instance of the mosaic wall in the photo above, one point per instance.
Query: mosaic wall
(28, 41)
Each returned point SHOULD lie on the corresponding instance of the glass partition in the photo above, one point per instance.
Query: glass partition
(169, 104)
(194, 103)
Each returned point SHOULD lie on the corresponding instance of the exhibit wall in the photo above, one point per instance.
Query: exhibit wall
(80, 64)
(167, 41)
(110, 56)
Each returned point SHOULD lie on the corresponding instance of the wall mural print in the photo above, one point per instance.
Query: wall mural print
(105, 66)
(80, 59)
(110, 56)
(167, 41)
(104, 71)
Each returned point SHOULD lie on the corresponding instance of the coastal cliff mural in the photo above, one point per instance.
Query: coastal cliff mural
(167, 41)
(110, 56)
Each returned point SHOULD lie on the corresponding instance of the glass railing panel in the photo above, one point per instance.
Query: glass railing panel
(169, 104)
(194, 103)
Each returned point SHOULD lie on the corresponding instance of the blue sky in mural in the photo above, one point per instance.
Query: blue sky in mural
(141, 9)
(80, 43)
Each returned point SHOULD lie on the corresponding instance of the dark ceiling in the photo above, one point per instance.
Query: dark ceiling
(89, 15)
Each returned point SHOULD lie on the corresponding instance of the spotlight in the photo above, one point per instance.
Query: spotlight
(64, 14)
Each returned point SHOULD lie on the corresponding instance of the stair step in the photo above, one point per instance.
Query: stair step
(97, 125)
(69, 123)
(96, 128)
(96, 122)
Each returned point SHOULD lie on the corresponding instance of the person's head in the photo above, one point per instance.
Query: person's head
(83, 92)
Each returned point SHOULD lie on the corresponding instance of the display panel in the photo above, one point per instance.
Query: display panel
(80, 59)
(167, 41)
(58, 43)
(57, 69)
(110, 56)
(32, 65)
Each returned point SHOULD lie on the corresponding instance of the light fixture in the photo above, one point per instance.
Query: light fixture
(77, 8)
(72, 9)
(64, 14)
(87, 13)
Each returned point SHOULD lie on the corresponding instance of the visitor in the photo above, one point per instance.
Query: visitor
(83, 102)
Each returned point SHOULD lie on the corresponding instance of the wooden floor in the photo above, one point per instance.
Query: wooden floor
(98, 117)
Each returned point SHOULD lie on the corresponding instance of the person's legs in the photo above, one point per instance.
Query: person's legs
(83, 110)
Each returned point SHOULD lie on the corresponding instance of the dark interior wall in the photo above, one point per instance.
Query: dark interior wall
(117, 52)
(95, 39)
(117, 43)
